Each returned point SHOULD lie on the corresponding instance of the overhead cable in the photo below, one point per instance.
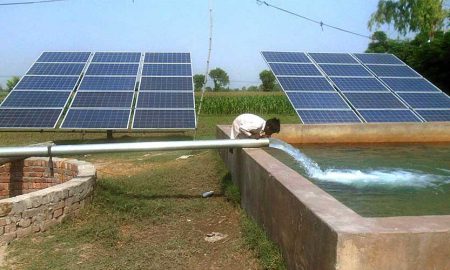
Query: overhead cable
(322, 24)
(30, 2)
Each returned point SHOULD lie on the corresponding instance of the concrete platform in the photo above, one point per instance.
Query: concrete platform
(313, 229)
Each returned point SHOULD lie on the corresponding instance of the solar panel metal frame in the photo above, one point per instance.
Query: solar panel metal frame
(170, 91)
(311, 60)
(39, 90)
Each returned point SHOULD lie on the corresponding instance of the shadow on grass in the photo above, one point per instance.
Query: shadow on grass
(150, 137)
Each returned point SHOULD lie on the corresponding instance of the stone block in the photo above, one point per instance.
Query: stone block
(7, 237)
(25, 222)
(22, 232)
(5, 208)
(57, 213)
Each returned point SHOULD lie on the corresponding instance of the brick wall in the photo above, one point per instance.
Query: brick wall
(33, 201)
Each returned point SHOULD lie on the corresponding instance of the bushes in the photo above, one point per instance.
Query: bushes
(237, 103)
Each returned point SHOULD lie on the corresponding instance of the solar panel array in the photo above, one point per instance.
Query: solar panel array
(38, 100)
(378, 87)
(106, 94)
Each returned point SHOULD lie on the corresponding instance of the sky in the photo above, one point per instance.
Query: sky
(241, 29)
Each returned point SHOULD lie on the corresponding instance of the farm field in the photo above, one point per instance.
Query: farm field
(147, 211)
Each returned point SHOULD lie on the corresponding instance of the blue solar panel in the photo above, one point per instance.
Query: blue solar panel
(167, 58)
(165, 100)
(410, 85)
(47, 83)
(56, 69)
(167, 70)
(426, 100)
(329, 58)
(305, 84)
(164, 119)
(344, 70)
(294, 69)
(64, 57)
(36, 99)
(166, 83)
(113, 69)
(316, 100)
(103, 99)
(96, 119)
(392, 71)
(377, 58)
(328, 116)
(388, 116)
(358, 84)
(107, 83)
(29, 118)
(288, 57)
(117, 57)
(435, 115)
(374, 100)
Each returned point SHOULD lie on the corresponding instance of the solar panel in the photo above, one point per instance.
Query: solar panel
(426, 100)
(167, 58)
(331, 58)
(36, 99)
(388, 116)
(103, 100)
(167, 70)
(346, 84)
(56, 69)
(113, 69)
(29, 118)
(164, 119)
(377, 58)
(66, 57)
(316, 100)
(165, 100)
(96, 119)
(286, 57)
(166, 83)
(392, 71)
(410, 85)
(117, 57)
(294, 69)
(90, 83)
(64, 83)
(327, 116)
(374, 100)
(435, 115)
(344, 70)
(305, 84)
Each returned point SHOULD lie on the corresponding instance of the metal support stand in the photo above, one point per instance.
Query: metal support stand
(109, 134)
(50, 161)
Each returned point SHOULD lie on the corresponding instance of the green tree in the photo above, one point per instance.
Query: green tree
(11, 83)
(268, 80)
(422, 16)
(220, 78)
(199, 81)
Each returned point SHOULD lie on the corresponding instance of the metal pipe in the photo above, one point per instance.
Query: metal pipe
(131, 147)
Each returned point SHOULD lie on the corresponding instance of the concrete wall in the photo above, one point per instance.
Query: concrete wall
(315, 231)
(366, 133)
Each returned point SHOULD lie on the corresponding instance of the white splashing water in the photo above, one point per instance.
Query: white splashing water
(392, 177)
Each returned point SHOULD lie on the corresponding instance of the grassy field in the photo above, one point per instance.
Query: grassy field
(148, 212)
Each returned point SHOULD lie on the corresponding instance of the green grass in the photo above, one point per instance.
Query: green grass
(139, 216)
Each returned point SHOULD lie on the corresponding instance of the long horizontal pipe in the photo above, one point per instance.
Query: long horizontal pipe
(28, 151)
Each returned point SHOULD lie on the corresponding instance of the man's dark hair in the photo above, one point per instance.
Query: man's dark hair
(273, 125)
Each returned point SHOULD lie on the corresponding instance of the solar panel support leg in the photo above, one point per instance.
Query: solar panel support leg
(50, 161)
(109, 134)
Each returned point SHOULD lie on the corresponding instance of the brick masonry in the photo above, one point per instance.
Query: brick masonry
(31, 200)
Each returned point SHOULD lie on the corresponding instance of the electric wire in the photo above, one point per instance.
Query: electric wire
(30, 2)
(321, 23)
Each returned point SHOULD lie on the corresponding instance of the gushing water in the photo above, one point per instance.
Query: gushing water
(391, 177)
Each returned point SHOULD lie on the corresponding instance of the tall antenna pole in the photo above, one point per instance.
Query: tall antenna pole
(207, 60)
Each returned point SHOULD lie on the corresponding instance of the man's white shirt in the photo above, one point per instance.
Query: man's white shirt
(247, 126)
